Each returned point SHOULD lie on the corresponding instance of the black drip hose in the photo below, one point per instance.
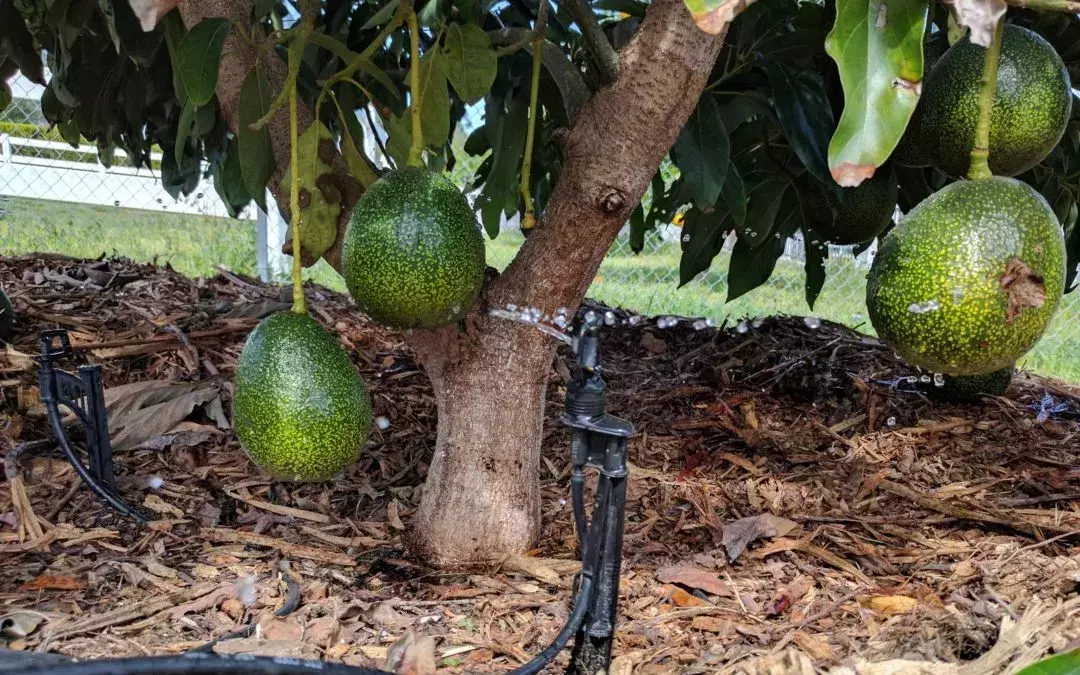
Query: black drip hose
(199, 663)
(292, 601)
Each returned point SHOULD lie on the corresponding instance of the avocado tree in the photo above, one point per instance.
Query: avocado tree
(764, 120)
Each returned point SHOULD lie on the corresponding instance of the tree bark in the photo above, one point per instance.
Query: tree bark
(481, 499)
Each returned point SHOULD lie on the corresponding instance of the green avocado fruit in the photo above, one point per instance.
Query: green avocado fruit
(7, 317)
(1032, 105)
(300, 409)
(413, 255)
(968, 280)
(971, 388)
(862, 213)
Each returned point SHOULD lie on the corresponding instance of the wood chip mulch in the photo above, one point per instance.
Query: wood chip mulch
(794, 506)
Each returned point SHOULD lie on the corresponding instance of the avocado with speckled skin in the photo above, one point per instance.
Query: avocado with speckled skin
(1032, 105)
(7, 317)
(300, 409)
(968, 280)
(971, 388)
(862, 213)
(413, 256)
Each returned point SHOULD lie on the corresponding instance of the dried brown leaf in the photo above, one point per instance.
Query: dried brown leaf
(694, 577)
(738, 534)
(412, 655)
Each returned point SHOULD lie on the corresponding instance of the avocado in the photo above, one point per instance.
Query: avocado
(300, 410)
(413, 256)
(971, 388)
(968, 280)
(7, 317)
(1032, 105)
(862, 213)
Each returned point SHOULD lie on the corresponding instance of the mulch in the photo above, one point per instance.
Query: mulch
(797, 502)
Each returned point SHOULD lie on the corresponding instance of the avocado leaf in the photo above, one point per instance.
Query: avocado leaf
(878, 48)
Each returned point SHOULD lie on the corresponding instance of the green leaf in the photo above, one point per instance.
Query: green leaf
(383, 15)
(106, 8)
(199, 56)
(803, 109)
(507, 128)
(399, 129)
(264, 7)
(332, 45)
(184, 129)
(637, 229)
(1067, 663)
(256, 154)
(434, 101)
(815, 264)
(229, 183)
(752, 263)
(469, 61)
(702, 153)
(761, 212)
(205, 119)
(1072, 248)
(734, 194)
(878, 48)
(703, 236)
(351, 143)
(751, 266)
(712, 16)
(174, 35)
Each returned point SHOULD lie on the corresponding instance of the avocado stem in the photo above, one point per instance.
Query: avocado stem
(980, 153)
(299, 305)
(414, 88)
(528, 221)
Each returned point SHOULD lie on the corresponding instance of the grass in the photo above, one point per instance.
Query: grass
(647, 283)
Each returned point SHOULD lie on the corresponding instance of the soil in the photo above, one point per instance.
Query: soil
(795, 503)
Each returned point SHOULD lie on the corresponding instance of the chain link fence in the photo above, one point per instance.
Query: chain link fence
(42, 175)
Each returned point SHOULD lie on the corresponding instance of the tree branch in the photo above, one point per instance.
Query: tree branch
(600, 49)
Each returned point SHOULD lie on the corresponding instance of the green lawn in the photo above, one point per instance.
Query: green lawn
(647, 283)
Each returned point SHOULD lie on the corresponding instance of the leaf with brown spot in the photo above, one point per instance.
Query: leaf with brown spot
(694, 577)
(713, 16)
(878, 49)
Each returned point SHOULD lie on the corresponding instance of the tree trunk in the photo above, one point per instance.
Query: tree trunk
(481, 500)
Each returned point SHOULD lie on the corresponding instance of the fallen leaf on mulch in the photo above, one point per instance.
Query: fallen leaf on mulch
(681, 598)
(384, 614)
(788, 595)
(323, 632)
(20, 624)
(893, 604)
(412, 655)
(294, 649)
(280, 629)
(141, 411)
(694, 577)
(624, 663)
(48, 582)
(739, 533)
(712, 624)
(653, 343)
